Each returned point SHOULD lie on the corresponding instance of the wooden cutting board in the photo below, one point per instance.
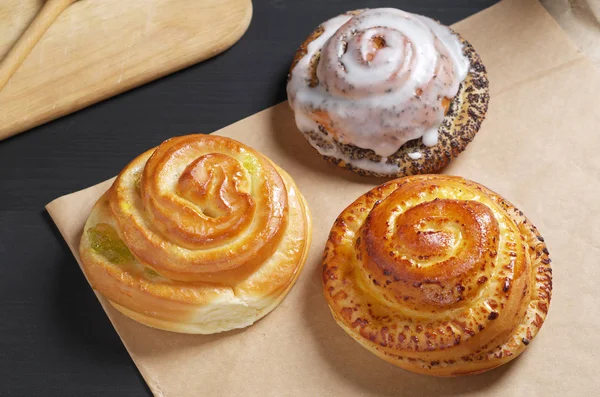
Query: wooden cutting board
(99, 48)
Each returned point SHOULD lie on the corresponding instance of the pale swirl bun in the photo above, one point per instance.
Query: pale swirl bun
(200, 235)
(438, 275)
(387, 93)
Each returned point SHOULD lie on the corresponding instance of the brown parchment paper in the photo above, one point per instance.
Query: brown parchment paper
(580, 19)
(538, 147)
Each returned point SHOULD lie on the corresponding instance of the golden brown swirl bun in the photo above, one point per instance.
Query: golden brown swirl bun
(200, 235)
(437, 275)
(370, 88)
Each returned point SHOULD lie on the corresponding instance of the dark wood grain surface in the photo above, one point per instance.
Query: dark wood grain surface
(54, 337)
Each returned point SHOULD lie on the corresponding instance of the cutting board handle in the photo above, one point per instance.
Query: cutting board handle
(19, 51)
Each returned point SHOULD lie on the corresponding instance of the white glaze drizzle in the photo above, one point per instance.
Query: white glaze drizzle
(378, 97)
(307, 124)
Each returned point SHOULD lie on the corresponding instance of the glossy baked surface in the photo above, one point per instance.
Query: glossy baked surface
(200, 235)
(438, 275)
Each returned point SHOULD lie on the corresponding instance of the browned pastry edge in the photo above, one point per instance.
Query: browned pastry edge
(487, 357)
(224, 300)
(190, 328)
(462, 121)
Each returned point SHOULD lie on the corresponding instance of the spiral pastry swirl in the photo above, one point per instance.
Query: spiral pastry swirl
(437, 275)
(369, 81)
(199, 235)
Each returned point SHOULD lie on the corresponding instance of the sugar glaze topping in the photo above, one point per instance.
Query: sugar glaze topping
(382, 77)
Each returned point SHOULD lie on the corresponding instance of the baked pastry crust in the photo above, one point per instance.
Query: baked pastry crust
(463, 119)
(437, 275)
(200, 235)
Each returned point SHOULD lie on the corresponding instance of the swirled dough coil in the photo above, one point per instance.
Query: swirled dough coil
(387, 93)
(200, 235)
(438, 275)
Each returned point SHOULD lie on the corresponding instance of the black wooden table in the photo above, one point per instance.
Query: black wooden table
(55, 340)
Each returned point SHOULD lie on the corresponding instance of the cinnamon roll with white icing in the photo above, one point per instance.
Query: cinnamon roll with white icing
(387, 93)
